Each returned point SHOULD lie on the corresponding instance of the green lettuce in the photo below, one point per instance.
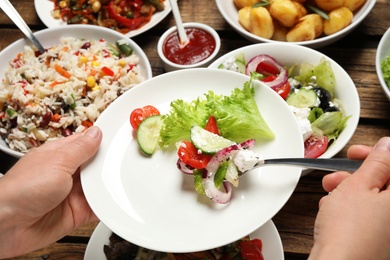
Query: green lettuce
(330, 124)
(321, 75)
(237, 115)
(385, 65)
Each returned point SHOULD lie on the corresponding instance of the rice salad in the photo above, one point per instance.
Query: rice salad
(47, 96)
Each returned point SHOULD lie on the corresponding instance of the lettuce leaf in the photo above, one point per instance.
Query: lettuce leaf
(330, 124)
(237, 115)
(385, 65)
(321, 75)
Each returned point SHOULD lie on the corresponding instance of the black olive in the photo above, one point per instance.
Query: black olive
(325, 100)
(332, 108)
(324, 97)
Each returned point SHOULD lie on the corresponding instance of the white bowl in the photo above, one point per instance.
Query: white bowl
(171, 66)
(230, 13)
(382, 52)
(50, 37)
(268, 233)
(290, 54)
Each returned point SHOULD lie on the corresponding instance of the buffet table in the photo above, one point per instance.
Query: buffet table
(295, 222)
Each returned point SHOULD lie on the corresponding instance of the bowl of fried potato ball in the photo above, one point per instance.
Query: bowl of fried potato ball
(311, 23)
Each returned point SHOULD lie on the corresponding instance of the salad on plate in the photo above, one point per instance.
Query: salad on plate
(213, 135)
(309, 91)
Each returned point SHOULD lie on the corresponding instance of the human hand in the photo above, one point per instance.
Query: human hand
(352, 220)
(41, 196)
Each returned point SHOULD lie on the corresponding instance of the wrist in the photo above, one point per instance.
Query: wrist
(7, 223)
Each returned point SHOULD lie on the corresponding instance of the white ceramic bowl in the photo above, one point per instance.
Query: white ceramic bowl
(382, 52)
(269, 235)
(290, 54)
(230, 13)
(50, 37)
(171, 66)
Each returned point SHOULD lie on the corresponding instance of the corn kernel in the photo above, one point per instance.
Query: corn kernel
(62, 4)
(56, 14)
(95, 63)
(122, 63)
(96, 87)
(83, 59)
(91, 81)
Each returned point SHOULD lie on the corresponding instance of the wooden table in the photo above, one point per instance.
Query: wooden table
(295, 221)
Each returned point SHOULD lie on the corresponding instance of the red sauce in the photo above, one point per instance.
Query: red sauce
(201, 45)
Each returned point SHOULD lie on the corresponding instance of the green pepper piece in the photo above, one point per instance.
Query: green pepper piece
(11, 113)
(124, 48)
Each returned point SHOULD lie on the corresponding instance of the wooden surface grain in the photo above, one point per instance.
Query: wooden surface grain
(295, 221)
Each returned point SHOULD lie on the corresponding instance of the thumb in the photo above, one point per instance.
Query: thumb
(82, 148)
(375, 170)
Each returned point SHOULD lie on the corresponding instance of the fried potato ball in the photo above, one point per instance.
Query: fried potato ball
(308, 28)
(261, 23)
(353, 5)
(338, 20)
(244, 17)
(329, 5)
(242, 3)
(287, 12)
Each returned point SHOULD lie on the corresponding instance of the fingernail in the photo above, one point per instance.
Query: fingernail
(383, 144)
(93, 132)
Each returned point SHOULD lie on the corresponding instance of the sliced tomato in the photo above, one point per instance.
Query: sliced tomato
(250, 249)
(139, 114)
(211, 125)
(267, 68)
(269, 78)
(188, 153)
(315, 146)
(283, 90)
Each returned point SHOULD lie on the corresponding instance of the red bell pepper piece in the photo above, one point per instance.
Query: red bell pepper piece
(129, 23)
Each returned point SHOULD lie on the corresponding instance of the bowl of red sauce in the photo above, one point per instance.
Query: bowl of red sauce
(203, 46)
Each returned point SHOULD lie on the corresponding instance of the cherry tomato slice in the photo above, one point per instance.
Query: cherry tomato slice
(188, 153)
(266, 68)
(269, 78)
(315, 146)
(211, 125)
(283, 90)
(139, 114)
(250, 250)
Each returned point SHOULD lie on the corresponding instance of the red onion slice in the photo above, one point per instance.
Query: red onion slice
(184, 168)
(282, 77)
(208, 183)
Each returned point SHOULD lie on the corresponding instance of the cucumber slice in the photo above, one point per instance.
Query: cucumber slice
(148, 134)
(240, 62)
(303, 98)
(207, 142)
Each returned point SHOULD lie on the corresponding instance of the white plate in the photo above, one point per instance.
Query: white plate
(272, 244)
(44, 9)
(51, 36)
(230, 13)
(289, 55)
(143, 199)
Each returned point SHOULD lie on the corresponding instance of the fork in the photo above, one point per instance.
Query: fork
(325, 164)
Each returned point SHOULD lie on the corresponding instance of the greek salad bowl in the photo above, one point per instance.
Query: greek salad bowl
(382, 63)
(310, 71)
(62, 91)
(297, 19)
